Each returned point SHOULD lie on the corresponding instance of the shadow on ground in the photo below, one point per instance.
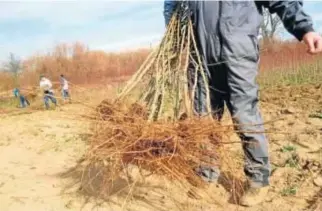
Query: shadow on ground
(90, 183)
(146, 193)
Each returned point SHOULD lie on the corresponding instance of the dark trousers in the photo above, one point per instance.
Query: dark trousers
(49, 96)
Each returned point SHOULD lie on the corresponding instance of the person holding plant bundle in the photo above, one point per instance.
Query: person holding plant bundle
(46, 86)
(22, 99)
(227, 35)
(64, 87)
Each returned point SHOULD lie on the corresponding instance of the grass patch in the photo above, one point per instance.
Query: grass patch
(292, 161)
(289, 191)
(288, 148)
(301, 74)
(9, 102)
(316, 115)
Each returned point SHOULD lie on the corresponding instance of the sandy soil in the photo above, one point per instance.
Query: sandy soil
(38, 150)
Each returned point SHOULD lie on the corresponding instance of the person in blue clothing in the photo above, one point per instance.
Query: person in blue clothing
(16, 92)
(46, 86)
(227, 35)
(169, 7)
(22, 99)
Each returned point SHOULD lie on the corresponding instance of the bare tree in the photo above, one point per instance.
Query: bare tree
(270, 26)
(13, 66)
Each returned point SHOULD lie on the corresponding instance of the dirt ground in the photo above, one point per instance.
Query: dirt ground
(38, 149)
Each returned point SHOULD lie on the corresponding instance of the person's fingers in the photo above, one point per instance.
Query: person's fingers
(318, 45)
(310, 44)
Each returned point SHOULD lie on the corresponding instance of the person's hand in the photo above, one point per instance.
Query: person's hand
(314, 42)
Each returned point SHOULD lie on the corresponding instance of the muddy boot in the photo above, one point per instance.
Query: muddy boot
(254, 196)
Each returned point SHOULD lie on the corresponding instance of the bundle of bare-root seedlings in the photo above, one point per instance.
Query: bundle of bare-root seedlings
(151, 124)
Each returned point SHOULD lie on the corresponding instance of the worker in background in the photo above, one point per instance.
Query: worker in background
(46, 86)
(22, 99)
(64, 87)
(227, 34)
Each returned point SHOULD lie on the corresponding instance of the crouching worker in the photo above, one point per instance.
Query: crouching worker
(226, 32)
(22, 99)
(46, 86)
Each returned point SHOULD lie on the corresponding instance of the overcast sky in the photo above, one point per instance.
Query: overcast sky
(29, 27)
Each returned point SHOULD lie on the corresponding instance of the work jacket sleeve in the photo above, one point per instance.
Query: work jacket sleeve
(169, 7)
(291, 13)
